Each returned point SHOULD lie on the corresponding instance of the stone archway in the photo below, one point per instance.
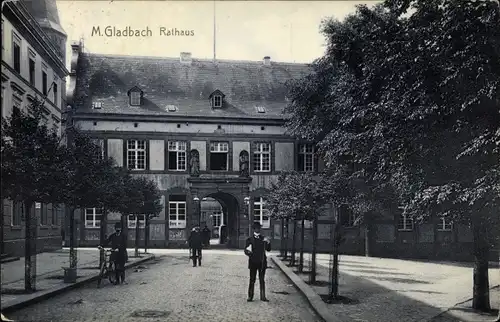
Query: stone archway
(231, 209)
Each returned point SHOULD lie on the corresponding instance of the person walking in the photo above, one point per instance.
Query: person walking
(255, 248)
(195, 244)
(119, 254)
(206, 235)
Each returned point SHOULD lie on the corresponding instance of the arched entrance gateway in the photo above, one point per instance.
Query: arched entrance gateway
(230, 193)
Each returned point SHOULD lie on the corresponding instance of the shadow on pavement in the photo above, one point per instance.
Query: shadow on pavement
(375, 271)
(372, 302)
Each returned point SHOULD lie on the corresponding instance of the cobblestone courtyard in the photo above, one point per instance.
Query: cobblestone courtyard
(214, 292)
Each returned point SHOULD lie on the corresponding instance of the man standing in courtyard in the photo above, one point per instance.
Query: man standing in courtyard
(255, 248)
(196, 244)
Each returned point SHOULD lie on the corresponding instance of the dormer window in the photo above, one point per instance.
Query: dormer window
(135, 96)
(216, 99)
(96, 105)
(135, 99)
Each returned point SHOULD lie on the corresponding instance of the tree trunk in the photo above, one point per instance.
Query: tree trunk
(73, 257)
(123, 222)
(1, 227)
(334, 280)
(102, 233)
(137, 235)
(312, 278)
(481, 287)
(282, 244)
(285, 256)
(29, 248)
(146, 233)
(301, 255)
(294, 243)
(368, 234)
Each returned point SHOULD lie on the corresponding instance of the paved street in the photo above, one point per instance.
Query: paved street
(214, 292)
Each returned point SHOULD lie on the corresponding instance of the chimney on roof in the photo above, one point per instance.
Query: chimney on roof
(267, 60)
(186, 57)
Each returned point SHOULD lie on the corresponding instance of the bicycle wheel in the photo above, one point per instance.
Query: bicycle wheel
(102, 274)
(111, 273)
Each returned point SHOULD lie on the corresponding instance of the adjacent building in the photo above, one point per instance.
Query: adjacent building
(206, 129)
(33, 66)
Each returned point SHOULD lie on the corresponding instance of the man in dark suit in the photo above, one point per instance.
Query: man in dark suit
(255, 248)
(196, 244)
(119, 255)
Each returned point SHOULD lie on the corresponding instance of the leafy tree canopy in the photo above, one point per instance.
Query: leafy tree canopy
(405, 103)
(32, 157)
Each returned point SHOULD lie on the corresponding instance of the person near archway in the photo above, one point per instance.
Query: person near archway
(206, 236)
(255, 248)
(195, 244)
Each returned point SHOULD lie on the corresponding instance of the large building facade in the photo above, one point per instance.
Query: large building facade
(33, 66)
(214, 129)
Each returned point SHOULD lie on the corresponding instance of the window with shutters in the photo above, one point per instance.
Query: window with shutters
(219, 156)
(177, 155)
(307, 158)
(136, 155)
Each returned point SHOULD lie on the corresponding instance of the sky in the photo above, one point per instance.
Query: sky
(245, 30)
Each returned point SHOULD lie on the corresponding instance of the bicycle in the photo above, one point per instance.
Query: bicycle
(107, 270)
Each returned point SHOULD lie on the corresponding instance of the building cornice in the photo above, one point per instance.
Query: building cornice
(178, 119)
(21, 13)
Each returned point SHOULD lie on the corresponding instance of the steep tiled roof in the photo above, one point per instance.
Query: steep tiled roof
(167, 81)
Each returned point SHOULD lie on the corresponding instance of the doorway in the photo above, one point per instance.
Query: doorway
(219, 212)
(214, 216)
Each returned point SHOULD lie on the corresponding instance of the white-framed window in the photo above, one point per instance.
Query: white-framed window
(100, 145)
(177, 212)
(405, 223)
(16, 52)
(260, 213)
(216, 218)
(133, 219)
(217, 101)
(93, 217)
(445, 224)
(306, 161)
(136, 154)
(219, 156)
(261, 157)
(135, 98)
(177, 155)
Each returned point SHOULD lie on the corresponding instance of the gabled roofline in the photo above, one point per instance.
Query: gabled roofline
(204, 60)
(178, 118)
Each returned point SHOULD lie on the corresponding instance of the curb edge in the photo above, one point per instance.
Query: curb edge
(9, 308)
(307, 291)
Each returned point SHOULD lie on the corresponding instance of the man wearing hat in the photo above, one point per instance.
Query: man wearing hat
(195, 241)
(255, 248)
(119, 255)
